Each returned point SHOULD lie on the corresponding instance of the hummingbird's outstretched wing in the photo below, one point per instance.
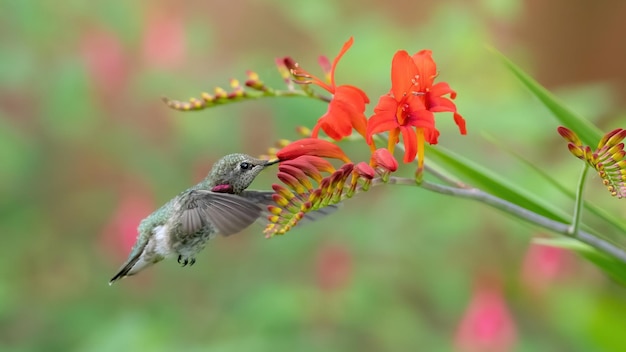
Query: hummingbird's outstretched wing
(227, 213)
(264, 198)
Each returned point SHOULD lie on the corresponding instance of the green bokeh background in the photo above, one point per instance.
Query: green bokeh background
(87, 149)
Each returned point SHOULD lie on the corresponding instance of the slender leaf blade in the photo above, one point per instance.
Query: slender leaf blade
(587, 131)
(495, 183)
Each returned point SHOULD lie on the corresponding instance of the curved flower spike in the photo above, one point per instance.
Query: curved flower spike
(608, 159)
(298, 198)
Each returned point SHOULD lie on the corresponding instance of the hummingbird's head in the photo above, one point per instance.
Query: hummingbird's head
(236, 171)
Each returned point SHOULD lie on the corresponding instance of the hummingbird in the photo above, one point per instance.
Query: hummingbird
(216, 205)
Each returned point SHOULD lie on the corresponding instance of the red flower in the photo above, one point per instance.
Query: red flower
(106, 62)
(433, 94)
(487, 324)
(163, 43)
(333, 267)
(411, 103)
(543, 265)
(347, 106)
(311, 146)
(120, 232)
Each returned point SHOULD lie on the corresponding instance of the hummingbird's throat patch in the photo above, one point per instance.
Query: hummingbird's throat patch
(222, 189)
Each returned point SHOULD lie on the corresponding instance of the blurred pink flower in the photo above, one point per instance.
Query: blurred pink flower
(333, 267)
(487, 324)
(105, 61)
(543, 265)
(120, 232)
(164, 39)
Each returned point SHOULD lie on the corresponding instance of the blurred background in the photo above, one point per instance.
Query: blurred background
(87, 150)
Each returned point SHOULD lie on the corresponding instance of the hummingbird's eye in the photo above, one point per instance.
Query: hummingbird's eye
(246, 166)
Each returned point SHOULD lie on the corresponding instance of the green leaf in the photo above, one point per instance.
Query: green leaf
(612, 266)
(495, 184)
(587, 131)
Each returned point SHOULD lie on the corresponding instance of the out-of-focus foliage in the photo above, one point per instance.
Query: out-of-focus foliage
(87, 150)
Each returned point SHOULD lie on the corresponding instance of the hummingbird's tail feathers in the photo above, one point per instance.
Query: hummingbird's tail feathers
(125, 270)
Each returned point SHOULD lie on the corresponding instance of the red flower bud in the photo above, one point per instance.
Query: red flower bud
(383, 158)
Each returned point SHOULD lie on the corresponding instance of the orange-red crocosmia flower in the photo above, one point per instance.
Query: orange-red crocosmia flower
(347, 106)
(411, 103)
(311, 146)
(433, 94)
(402, 110)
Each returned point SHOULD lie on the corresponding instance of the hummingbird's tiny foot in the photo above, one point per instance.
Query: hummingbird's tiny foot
(181, 261)
(186, 261)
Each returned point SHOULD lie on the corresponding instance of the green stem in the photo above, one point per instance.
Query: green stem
(195, 104)
(517, 211)
(578, 209)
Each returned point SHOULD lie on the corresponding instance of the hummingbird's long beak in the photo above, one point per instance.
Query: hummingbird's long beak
(272, 162)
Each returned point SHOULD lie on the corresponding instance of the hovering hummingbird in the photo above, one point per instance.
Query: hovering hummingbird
(216, 205)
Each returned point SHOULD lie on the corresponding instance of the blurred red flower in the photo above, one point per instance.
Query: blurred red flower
(543, 265)
(333, 266)
(163, 43)
(106, 62)
(487, 324)
(120, 232)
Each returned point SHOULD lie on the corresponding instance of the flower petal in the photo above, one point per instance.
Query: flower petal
(345, 48)
(380, 123)
(427, 69)
(312, 146)
(420, 118)
(386, 105)
(410, 143)
(442, 88)
(355, 99)
(336, 122)
(325, 123)
(384, 118)
(403, 75)
(353, 94)
(460, 121)
(439, 104)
